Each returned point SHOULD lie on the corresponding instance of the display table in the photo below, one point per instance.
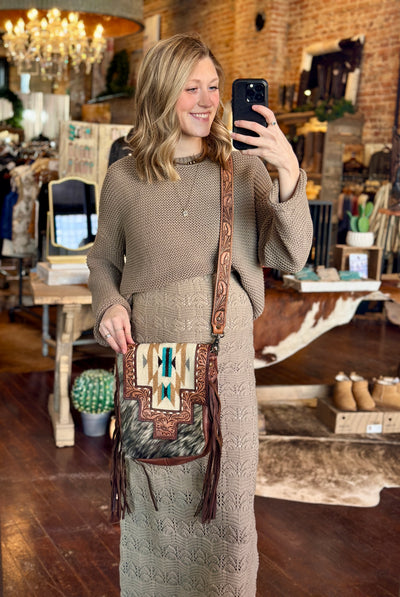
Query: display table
(293, 319)
(73, 317)
(289, 322)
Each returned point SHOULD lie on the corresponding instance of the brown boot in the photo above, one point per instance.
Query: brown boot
(342, 395)
(361, 393)
(386, 393)
(391, 381)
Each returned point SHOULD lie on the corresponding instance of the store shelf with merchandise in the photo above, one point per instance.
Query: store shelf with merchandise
(319, 147)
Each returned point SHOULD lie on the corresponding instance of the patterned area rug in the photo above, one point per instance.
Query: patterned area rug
(301, 460)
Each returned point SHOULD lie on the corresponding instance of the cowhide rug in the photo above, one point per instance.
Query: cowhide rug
(301, 460)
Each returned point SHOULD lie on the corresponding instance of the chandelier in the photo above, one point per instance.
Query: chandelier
(52, 44)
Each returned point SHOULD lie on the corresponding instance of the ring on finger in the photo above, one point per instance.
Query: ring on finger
(108, 335)
(273, 123)
(118, 329)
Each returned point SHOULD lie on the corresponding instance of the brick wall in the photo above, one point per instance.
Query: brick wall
(317, 20)
(275, 52)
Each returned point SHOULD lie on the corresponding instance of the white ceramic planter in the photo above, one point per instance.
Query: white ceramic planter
(359, 239)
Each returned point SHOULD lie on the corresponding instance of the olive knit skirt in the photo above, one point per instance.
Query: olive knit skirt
(169, 552)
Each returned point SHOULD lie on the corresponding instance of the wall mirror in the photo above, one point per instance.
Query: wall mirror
(331, 69)
(72, 219)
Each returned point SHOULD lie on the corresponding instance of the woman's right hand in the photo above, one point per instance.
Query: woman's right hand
(115, 327)
(271, 145)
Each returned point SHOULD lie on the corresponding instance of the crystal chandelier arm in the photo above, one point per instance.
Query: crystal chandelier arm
(53, 43)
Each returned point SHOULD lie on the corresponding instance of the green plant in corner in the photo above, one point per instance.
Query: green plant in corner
(93, 391)
(360, 223)
(328, 110)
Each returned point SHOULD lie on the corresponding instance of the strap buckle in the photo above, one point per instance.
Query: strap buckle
(215, 344)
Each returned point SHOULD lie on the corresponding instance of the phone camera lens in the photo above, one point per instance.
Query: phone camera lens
(250, 93)
(259, 92)
(255, 93)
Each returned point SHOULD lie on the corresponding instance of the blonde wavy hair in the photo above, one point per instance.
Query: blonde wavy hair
(162, 76)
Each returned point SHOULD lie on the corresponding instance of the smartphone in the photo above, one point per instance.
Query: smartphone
(245, 94)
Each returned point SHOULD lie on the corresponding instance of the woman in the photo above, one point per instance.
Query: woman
(152, 267)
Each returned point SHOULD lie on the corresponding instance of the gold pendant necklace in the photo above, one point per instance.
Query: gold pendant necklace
(185, 204)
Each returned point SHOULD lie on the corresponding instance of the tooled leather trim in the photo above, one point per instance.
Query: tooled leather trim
(166, 423)
(218, 317)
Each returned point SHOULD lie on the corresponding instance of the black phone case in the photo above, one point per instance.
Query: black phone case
(242, 107)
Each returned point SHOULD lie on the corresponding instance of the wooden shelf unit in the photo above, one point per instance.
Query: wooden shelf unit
(374, 253)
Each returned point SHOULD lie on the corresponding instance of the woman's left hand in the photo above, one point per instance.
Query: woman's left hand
(273, 147)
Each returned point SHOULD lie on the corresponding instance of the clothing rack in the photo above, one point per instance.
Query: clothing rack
(19, 307)
(35, 155)
(321, 215)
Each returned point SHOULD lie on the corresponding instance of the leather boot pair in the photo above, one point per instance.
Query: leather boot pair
(352, 393)
(386, 392)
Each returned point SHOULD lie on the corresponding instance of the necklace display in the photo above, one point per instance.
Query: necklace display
(185, 204)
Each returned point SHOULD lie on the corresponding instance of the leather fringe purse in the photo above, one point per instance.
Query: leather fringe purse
(166, 400)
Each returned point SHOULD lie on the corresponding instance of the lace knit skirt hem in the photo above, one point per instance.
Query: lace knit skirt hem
(169, 552)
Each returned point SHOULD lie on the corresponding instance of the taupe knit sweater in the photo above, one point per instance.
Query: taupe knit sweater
(143, 241)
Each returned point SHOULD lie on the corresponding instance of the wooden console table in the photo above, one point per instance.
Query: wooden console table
(73, 317)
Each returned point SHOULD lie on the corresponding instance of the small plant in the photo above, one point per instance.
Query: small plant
(93, 391)
(328, 110)
(360, 223)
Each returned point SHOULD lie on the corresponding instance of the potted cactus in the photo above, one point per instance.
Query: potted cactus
(93, 396)
(359, 234)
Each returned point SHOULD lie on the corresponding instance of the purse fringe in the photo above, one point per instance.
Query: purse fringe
(208, 503)
(119, 503)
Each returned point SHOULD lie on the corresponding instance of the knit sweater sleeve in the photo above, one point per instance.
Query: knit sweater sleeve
(106, 257)
(285, 229)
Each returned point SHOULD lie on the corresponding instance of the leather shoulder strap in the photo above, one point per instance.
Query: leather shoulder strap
(224, 251)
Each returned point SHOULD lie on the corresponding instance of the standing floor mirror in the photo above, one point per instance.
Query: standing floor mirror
(72, 219)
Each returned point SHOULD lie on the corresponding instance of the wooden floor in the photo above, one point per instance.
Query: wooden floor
(55, 533)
